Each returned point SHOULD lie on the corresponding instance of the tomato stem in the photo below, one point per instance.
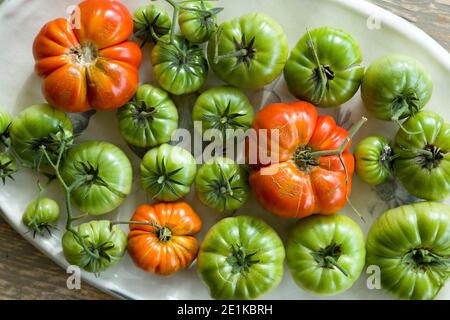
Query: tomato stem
(67, 192)
(402, 127)
(328, 257)
(321, 72)
(164, 233)
(347, 141)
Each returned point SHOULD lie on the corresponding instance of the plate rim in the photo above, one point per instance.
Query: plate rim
(363, 7)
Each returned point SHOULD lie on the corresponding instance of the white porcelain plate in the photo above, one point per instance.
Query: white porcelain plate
(378, 33)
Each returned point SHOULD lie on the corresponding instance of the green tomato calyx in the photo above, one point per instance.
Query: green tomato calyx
(150, 30)
(164, 234)
(141, 113)
(41, 228)
(328, 257)
(7, 168)
(224, 119)
(239, 260)
(406, 104)
(430, 157)
(222, 187)
(304, 158)
(244, 51)
(421, 259)
(90, 175)
(164, 179)
(95, 254)
(54, 145)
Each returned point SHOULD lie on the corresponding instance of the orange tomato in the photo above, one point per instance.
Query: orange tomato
(169, 245)
(88, 63)
(302, 182)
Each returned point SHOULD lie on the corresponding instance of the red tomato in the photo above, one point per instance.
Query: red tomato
(90, 67)
(170, 244)
(302, 182)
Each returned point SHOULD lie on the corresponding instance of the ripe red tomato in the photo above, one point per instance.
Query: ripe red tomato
(305, 180)
(90, 67)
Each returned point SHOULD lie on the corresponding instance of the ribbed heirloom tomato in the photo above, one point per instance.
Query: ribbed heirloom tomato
(88, 63)
(309, 176)
(164, 242)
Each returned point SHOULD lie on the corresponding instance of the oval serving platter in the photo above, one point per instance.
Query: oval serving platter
(378, 33)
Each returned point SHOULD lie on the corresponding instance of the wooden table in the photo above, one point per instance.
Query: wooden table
(25, 273)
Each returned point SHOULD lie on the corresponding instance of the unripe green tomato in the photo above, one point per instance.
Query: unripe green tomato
(197, 26)
(396, 87)
(373, 160)
(41, 215)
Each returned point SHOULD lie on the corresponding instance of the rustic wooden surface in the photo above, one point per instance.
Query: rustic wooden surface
(25, 273)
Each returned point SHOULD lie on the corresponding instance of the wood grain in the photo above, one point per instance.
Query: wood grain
(432, 16)
(25, 273)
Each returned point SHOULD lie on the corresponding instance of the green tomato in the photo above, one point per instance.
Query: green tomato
(180, 68)
(411, 246)
(326, 254)
(198, 26)
(40, 126)
(395, 87)
(241, 258)
(373, 160)
(251, 51)
(101, 175)
(8, 166)
(108, 244)
(325, 67)
(223, 108)
(5, 121)
(151, 21)
(167, 172)
(41, 215)
(423, 165)
(149, 119)
(222, 185)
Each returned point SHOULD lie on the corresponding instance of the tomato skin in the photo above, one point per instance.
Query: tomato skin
(110, 242)
(260, 244)
(373, 165)
(223, 108)
(149, 119)
(221, 184)
(268, 56)
(40, 214)
(5, 121)
(151, 251)
(424, 176)
(284, 187)
(396, 87)
(195, 26)
(316, 233)
(396, 234)
(336, 50)
(167, 172)
(34, 127)
(151, 16)
(90, 67)
(104, 174)
(175, 75)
